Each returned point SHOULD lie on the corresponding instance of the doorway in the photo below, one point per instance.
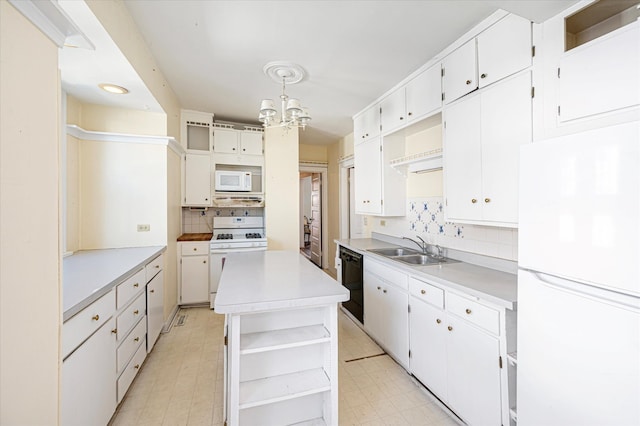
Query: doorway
(313, 215)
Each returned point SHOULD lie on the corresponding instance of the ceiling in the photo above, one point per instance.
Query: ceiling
(212, 53)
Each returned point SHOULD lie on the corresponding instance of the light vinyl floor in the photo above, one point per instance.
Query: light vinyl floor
(181, 381)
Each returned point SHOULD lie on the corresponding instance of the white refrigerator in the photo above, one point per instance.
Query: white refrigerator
(579, 280)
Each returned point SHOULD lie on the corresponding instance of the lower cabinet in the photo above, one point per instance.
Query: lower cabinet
(155, 309)
(456, 352)
(88, 383)
(194, 272)
(386, 303)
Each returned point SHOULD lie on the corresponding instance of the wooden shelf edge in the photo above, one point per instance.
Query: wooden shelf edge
(283, 339)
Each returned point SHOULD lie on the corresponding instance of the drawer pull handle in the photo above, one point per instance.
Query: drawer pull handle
(378, 287)
(473, 201)
(438, 320)
(136, 285)
(468, 81)
(114, 331)
(204, 261)
(158, 266)
(483, 75)
(384, 291)
(449, 328)
(195, 248)
(137, 339)
(95, 317)
(152, 291)
(468, 311)
(423, 291)
(136, 366)
(487, 200)
(136, 312)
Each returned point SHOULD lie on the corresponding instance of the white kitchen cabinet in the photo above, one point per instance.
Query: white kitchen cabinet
(379, 190)
(197, 177)
(366, 125)
(155, 309)
(454, 355)
(195, 131)
(386, 302)
(424, 94)
(482, 139)
(194, 272)
(88, 387)
(600, 76)
(393, 111)
(232, 141)
(498, 52)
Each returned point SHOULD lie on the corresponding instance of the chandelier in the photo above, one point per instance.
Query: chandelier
(292, 114)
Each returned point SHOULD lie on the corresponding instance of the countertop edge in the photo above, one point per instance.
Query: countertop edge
(97, 294)
(423, 274)
(278, 305)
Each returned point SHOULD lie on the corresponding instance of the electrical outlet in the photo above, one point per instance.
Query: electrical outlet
(383, 223)
(144, 228)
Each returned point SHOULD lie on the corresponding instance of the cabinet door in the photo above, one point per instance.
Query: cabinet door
(460, 72)
(155, 309)
(506, 125)
(393, 110)
(504, 49)
(368, 124)
(428, 346)
(462, 160)
(601, 76)
(195, 279)
(395, 316)
(225, 141)
(373, 307)
(424, 93)
(473, 373)
(251, 143)
(88, 390)
(368, 170)
(197, 176)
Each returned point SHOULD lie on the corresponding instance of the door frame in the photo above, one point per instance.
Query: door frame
(321, 168)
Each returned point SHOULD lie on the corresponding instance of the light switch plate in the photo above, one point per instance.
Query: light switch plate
(144, 228)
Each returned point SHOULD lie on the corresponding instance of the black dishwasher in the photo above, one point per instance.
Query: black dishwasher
(352, 280)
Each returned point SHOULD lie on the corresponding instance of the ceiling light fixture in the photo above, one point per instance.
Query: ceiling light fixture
(113, 88)
(292, 113)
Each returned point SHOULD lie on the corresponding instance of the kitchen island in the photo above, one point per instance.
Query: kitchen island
(281, 339)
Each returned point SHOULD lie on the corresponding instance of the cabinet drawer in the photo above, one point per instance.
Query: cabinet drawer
(154, 267)
(131, 315)
(474, 312)
(194, 249)
(82, 325)
(130, 371)
(426, 292)
(130, 343)
(388, 274)
(127, 289)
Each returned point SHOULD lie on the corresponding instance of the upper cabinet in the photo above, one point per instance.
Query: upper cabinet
(195, 131)
(414, 101)
(598, 72)
(227, 140)
(367, 124)
(501, 50)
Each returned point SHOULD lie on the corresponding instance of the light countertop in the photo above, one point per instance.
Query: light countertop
(89, 274)
(497, 287)
(269, 280)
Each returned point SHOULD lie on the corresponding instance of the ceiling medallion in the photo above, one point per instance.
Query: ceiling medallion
(292, 113)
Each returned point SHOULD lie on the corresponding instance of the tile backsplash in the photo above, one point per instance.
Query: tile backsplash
(425, 217)
(201, 221)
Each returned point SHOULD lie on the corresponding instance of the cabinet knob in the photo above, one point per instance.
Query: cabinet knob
(152, 291)
(468, 311)
(244, 149)
(206, 199)
(157, 266)
(95, 317)
(136, 312)
(483, 75)
(136, 285)
(378, 287)
(195, 248)
(468, 81)
(384, 291)
(233, 149)
(137, 339)
(438, 320)
(409, 114)
(114, 331)
(487, 200)
(450, 328)
(423, 291)
(137, 366)
(401, 118)
(204, 261)
(473, 201)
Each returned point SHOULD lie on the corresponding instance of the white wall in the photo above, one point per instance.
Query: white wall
(30, 295)
(282, 181)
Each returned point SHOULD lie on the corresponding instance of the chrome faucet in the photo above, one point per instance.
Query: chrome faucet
(423, 245)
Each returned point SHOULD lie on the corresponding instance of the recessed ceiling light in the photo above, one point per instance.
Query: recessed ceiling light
(113, 88)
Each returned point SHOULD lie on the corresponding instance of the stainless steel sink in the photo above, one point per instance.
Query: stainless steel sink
(411, 257)
(392, 252)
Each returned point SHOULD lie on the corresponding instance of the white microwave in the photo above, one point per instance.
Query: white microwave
(233, 181)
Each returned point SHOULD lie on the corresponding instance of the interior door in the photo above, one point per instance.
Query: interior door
(316, 219)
